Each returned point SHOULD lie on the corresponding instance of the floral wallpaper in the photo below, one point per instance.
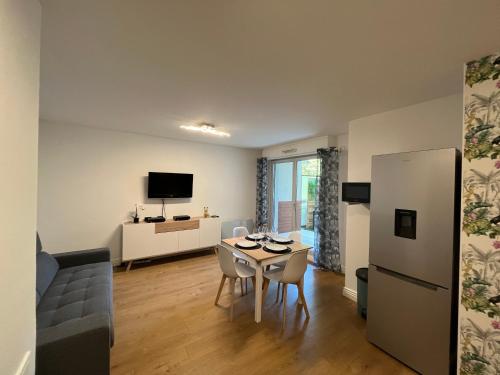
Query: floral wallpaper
(479, 317)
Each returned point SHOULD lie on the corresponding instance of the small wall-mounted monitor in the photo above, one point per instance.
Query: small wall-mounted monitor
(170, 185)
(356, 192)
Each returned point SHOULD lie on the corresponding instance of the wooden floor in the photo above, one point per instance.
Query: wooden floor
(166, 323)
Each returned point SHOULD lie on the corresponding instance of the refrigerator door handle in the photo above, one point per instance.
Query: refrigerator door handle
(408, 279)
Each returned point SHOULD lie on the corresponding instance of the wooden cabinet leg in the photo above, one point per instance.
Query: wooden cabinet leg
(129, 265)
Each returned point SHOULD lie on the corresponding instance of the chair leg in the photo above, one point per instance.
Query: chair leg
(282, 292)
(278, 292)
(299, 297)
(241, 286)
(232, 283)
(264, 292)
(221, 286)
(301, 294)
(246, 285)
(253, 282)
(285, 287)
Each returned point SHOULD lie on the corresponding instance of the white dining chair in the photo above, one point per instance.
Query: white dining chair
(232, 270)
(292, 274)
(296, 237)
(240, 232)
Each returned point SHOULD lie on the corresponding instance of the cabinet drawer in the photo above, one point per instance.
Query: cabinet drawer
(210, 232)
(138, 241)
(165, 243)
(189, 239)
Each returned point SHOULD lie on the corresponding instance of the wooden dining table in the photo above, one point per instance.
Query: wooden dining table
(259, 259)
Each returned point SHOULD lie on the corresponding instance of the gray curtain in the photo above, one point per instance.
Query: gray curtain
(262, 198)
(326, 220)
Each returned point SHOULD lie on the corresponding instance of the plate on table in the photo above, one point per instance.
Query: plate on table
(256, 237)
(247, 245)
(277, 248)
(282, 240)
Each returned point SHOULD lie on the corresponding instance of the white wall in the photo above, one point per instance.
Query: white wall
(19, 77)
(90, 179)
(429, 125)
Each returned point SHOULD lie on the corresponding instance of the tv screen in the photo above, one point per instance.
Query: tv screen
(356, 192)
(170, 185)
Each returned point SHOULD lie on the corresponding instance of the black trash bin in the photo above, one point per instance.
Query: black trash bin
(362, 275)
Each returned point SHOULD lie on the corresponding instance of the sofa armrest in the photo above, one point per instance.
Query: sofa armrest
(78, 258)
(78, 346)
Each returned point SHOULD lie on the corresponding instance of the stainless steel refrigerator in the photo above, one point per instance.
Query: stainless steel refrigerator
(412, 279)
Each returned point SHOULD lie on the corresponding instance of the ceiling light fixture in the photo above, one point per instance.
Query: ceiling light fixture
(205, 128)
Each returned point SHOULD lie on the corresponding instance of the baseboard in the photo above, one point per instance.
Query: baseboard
(351, 294)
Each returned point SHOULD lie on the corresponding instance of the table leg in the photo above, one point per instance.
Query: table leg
(258, 293)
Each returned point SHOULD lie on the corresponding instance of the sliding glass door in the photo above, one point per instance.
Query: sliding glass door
(293, 195)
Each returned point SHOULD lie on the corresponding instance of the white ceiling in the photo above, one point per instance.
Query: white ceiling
(266, 71)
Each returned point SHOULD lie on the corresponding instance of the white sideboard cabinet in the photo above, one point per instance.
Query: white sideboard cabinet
(147, 240)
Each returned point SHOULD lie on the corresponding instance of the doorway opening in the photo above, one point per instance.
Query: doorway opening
(293, 195)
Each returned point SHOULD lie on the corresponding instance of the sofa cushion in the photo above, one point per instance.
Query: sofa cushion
(46, 270)
(77, 292)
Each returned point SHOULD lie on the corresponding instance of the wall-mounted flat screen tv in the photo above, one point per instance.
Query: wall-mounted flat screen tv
(170, 185)
(356, 192)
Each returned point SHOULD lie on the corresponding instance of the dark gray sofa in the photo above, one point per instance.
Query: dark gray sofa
(74, 315)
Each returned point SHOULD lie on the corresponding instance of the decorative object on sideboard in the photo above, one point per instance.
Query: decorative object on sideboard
(205, 212)
(135, 218)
